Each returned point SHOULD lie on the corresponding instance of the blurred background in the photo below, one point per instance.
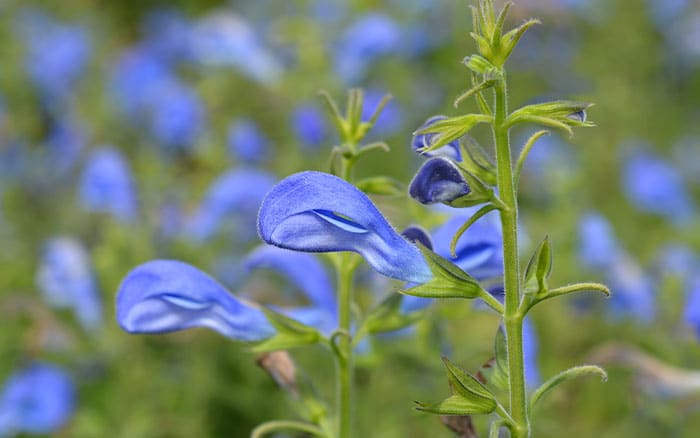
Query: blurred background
(138, 130)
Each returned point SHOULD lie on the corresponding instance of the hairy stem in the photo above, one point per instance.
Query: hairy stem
(520, 427)
(344, 374)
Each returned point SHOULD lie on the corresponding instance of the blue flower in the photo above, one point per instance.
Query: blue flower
(225, 39)
(438, 180)
(318, 212)
(306, 273)
(677, 260)
(66, 280)
(410, 303)
(65, 141)
(246, 142)
(655, 186)
(57, 53)
(167, 33)
(367, 39)
(38, 399)
(106, 185)
(164, 296)
(235, 193)
(420, 141)
(598, 247)
(176, 116)
(309, 125)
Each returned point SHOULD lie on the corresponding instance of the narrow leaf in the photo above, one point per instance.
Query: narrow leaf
(458, 405)
(465, 384)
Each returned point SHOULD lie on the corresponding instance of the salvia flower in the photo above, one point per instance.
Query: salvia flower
(246, 142)
(691, 313)
(107, 186)
(633, 291)
(530, 353)
(307, 273)
(438, 180)
(137, 76)
(66, 280)
(237, 193)
(423, 141)
(164, 296)
(177, 116)
(318, 212)
(39, 399)
(391, 117)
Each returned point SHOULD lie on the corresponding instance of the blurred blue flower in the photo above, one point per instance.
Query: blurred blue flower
(666, 11)
(107, 186)
(691, 312)
(391, 118)
(57, 53)
(370, 37)
(420, 141)
(306, 273)
(138, 75)
(246, 142)
(410, 303)
(655, 186)
(177, 116)
(438, 180)
(318, 212)
(309, 125)
(632, 291)
(164, 296)
(237, 193)
(225, 39)
(66, 279)
(598, 246)
(38, 399)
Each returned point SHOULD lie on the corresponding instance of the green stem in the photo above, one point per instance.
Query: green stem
(272, 426)
(344, 360)
(520, 427)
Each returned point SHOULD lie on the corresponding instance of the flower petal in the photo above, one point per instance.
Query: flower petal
(438, 180)
(163, 296)
(318, 212)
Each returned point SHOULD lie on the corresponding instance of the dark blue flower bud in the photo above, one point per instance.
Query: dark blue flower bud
(421, 141)
(438, 180)
(416, 234)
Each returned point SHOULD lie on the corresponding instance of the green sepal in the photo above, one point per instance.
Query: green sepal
(511, 39)
(290, 333)
(449, 280)
(571, 373)
(539, 268)
(380, 185)
(386, 317)
(466, 385)
(450, 129)
(458, 405)
(560, 114)
(481, 66)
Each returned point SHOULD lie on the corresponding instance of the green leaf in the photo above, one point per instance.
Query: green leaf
(571, 373)
(511, 39)
(290, 333)
(449, 280)
(458, 405)
(485, 85)
(569, 289)
(380, 185)
(560, 114)
(466, 385)
(539, 268)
